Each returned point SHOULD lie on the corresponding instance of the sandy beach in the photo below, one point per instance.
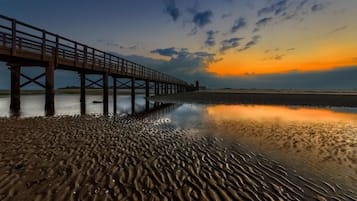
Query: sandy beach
(101, 158)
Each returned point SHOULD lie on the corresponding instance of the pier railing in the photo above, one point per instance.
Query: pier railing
(19, 39)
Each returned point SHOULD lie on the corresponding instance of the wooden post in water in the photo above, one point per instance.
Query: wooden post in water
(147, 94)
(50, 92)
(156, 86)
(105, 93)
(83, 92)
(15, 89)
(162, 88)
(133, 95)
(114, 95)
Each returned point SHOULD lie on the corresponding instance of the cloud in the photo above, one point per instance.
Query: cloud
(251, 43)
(133, 47)
(171, 9)
(238, 24)
(302, 4)
(276, 8)
(226, 15)
(229, 44)
(169, 52)
(210, 41)
(263, 22)
(291, 9)
(338, 29)
(184, 63)
(278, 57)
(317, 7)
(201, 19)
(108, 43)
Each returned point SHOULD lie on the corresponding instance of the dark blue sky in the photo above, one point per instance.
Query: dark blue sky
(223, 43)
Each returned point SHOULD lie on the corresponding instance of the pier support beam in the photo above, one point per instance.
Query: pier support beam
(162, 88)
(114, 95)
(156, 88)
(50, 92)
(132, 95)
(166, 88)
(105, 93)
(83, 92)
(15, 89)
(147, 94)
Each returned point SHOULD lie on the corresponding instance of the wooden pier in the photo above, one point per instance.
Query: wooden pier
(23, 45)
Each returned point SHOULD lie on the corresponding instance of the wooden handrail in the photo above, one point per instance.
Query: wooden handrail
(71, 49)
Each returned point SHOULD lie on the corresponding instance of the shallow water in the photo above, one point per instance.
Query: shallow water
(69, 104)
(316, 141)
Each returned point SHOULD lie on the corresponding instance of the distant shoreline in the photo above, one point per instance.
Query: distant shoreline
(303, 98)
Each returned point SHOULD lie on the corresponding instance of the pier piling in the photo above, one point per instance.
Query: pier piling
(50, 92)
(105, 93)
(15, 89)
(83, 92)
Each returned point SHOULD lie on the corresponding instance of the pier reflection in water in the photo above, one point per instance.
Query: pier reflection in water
(68, 104)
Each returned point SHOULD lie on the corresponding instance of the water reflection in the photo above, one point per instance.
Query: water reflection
(314, 140)
(276, 113)
(317, 141)
(69, 104)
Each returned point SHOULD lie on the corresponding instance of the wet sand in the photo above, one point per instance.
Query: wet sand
(99, 158)
(317, 141)
(346, 99)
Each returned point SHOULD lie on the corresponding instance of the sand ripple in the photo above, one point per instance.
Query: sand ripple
(98, 158)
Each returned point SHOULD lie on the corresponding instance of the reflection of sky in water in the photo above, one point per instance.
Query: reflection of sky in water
(314, 140)
(69, 104)
(283, 113)
(186, 116)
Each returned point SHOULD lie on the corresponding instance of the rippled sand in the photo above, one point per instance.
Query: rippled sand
(98, 158)
(317, 140)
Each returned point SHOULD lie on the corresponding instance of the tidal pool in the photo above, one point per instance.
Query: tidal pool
(318, 141)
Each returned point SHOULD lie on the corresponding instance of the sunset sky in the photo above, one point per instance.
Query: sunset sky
(222, 43)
